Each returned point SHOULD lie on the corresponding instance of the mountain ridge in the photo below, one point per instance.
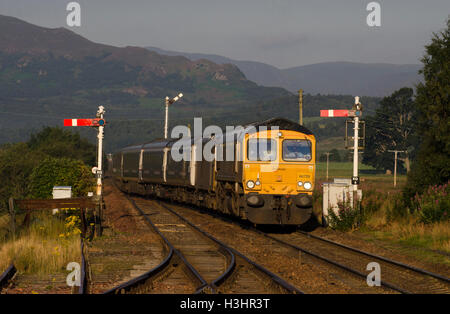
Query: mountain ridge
(334, 77)
(38, 55)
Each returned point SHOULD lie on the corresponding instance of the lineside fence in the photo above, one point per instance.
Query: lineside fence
(88, 207)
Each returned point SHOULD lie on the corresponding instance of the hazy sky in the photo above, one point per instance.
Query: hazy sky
(283, 33)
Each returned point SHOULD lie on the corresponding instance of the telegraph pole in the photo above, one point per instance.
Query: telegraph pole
(328, 155)
(300, 105)
(395, 164)
(167, 103)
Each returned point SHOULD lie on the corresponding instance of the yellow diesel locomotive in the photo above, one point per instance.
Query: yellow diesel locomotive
(268, 180)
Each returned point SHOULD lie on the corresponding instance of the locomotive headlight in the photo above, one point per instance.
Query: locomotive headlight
(299, 183)
(307, 185)
(250, 184)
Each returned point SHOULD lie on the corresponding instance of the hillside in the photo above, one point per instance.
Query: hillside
(51, 74)
(366, 79)
(54, 71)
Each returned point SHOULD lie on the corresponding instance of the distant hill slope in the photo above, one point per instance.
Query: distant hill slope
(61, 60)
(47, 75)
(367, 79)
(56, 70)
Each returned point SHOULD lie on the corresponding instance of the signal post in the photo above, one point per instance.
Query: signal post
(355, 113)
(99, 123)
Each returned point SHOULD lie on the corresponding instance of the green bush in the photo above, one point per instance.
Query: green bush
(397, 208)
(347, 217)
(371, 202)
(433, 205)
(17, 162)
(60, 171)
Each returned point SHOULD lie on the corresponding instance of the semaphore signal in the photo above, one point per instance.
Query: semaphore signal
(356, 112)
(98, 122)
(84, 122)
(337, 113)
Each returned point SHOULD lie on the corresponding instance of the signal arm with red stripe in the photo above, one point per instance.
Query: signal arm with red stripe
(339, 113)
(84, 122)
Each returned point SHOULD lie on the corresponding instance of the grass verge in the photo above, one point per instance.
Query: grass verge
(45, 247)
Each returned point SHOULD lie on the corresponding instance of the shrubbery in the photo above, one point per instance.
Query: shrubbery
(433, 205)
(60, 171)
(52, 157)
(347, 218)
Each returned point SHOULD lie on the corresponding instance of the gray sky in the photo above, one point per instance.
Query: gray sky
(283, 33)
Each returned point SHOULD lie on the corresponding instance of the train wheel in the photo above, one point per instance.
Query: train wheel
(221, 199)
(235, 204)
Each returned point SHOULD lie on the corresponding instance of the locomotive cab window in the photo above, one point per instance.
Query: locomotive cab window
(297, 150)
(261, 149)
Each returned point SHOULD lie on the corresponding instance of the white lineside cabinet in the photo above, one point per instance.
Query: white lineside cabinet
(339, 191)
(61, 192)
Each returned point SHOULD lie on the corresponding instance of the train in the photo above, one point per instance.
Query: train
(270, 180)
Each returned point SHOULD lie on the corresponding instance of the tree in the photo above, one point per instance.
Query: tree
(392, 127)
(21, 162)
(59, 143)
(17, 162)
(60, 171)
(334, 156)
(432, 165)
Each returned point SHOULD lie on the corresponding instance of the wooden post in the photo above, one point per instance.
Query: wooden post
(300, 106)
(98, 217)
(83, 222)
(328, 155)
(395, 164)
(12, 214)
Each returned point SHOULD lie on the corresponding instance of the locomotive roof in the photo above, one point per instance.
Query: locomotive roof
(282, 124)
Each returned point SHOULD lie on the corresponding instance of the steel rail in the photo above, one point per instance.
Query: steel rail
(83, 274)
(330, 261)
(387, 260)
(127, 286)
(327, 260)
(7, 275)
(297, 248)
(173, 252)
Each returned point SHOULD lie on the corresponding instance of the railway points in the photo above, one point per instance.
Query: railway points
(215, 267)
(396, 277)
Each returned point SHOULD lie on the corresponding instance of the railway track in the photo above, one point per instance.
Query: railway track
(7, 275)
(197, 259)
(395, 276)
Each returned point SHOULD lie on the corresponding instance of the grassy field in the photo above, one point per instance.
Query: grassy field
(330, 143)
(4, 227)
(386, 218)
(367, 174)
(45, 247)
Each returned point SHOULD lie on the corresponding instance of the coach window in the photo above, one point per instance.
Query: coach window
(296, 150)
(261, 149)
